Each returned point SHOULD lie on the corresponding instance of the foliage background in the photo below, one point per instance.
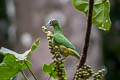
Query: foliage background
(111, 44)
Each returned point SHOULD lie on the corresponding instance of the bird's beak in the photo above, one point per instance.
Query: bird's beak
(47, 25)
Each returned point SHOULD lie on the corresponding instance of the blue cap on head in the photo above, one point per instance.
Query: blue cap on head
(51, 22)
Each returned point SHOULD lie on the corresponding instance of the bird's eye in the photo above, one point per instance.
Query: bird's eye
(51, 22)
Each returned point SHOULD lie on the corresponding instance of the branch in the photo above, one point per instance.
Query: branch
(88, 32)
(26, 78)
(31, 71)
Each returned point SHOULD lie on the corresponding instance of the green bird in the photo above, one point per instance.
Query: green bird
(65, 46)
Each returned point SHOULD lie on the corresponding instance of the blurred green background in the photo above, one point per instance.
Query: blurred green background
(111, 43)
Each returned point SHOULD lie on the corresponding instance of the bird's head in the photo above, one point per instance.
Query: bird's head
(52, 22)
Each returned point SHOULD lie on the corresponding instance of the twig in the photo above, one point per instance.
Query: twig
(26, 78)
(87, 36)
(31, 71)
(88, 32)
(49, 78)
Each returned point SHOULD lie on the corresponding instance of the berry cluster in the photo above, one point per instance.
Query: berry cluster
(60, 69)
(99, 75)
(83, 73)
(53, 48)
(59, 63)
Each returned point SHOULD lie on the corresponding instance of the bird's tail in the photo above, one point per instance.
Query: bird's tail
(75, 53)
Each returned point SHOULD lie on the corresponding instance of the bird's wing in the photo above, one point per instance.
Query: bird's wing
(60, 39)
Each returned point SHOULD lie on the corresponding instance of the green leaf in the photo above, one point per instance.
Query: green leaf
(10, 67)
(11, 63)
(101, 12)
(1, 57)
(34, 46)
(49, 69)
(24, 65)
(23, 56)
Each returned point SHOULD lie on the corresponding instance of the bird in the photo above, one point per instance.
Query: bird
(65, 46)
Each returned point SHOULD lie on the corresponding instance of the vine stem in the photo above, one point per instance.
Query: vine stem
(87, 36)
(31, 71)
(88, 33)
(26, 78)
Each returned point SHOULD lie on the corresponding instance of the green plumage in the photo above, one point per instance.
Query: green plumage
(66, 47)
(62, 40)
